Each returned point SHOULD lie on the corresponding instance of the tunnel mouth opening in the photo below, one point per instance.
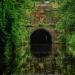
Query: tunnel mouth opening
(40, 43)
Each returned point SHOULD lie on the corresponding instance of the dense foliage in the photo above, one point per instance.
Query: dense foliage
(13, 34)
(15, 16)
(66, 25)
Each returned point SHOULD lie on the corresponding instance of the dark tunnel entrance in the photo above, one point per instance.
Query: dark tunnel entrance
(41, 43)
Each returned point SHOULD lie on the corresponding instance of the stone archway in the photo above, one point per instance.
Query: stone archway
(41, 43)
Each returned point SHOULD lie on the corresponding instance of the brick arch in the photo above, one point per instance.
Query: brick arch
(41, 43)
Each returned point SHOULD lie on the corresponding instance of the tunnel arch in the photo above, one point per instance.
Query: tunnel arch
(40, 43)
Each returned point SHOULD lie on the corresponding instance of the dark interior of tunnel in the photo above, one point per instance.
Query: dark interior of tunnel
(41, 43)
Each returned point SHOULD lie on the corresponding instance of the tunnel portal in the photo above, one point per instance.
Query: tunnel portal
(41, 43)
